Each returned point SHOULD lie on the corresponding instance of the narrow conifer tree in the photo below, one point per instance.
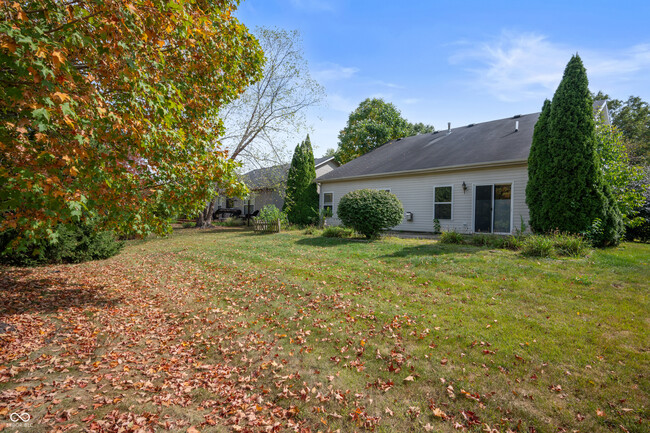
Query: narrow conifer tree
(537, 162)
(301, 201)
(567, 191)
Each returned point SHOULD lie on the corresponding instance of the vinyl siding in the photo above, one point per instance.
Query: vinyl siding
(416, 194)
(325, 168)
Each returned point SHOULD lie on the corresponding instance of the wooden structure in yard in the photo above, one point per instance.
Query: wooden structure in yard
(266, 227)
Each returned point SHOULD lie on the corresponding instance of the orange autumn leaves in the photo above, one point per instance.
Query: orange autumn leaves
(112, 108)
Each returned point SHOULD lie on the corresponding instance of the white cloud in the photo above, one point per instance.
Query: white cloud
(410, 101)
(332, 72)
(385, 84)
(524, 66)
(341, 103)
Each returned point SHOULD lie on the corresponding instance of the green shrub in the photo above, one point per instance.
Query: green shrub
(436, 226)
(338, 232)
(70, 243)
(271, 214)
(370, 211)
(452, 237)
(312, 230)
(510, 242)
(570, 245)
(537, 246)
(483, 240)
(188, 225)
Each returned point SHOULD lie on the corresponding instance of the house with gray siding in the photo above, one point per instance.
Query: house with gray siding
(472, 179)
(267, 186)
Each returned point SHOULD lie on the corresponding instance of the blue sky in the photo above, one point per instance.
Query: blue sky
(459, 62)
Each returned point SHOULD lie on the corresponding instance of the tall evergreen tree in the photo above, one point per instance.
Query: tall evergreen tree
(537, 176)
(301, 201)
(572, 195)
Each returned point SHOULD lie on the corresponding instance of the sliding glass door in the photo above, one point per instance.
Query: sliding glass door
(493, 208)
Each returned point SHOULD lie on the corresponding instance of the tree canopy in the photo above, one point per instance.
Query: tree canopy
(632, 119)
(111, 110)
(624, 179)
(567, 190)
(372, 124)
(301, 201)
(271, 111)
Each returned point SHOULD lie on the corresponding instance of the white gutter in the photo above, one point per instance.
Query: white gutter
(506, 163)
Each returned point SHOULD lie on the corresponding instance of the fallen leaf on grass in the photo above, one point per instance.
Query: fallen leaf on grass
(439, 413)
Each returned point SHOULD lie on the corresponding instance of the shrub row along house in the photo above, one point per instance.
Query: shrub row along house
(267, 186)
(472, 179)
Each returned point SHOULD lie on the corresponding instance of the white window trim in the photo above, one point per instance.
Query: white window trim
(331, 204)
(443, 202)
(512, 206)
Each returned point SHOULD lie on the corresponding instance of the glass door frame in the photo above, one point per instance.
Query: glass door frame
(492, 212)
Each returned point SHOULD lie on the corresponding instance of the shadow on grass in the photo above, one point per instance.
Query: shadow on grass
(320, 241)
(23, 292)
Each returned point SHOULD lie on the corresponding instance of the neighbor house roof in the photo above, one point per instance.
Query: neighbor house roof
(272, 177)
(472, 145)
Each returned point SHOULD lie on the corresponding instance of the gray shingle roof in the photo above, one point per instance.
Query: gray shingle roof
(480, 143)
(272, 177)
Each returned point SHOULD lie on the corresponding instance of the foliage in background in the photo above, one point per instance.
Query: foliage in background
(69, 243)
(111, 109)
(618, 173)
(369, 211)
(568, 193)
(632, 119)
(301, 201)
(270, 112)
(641, 230)
(374, 123)
(271, 214)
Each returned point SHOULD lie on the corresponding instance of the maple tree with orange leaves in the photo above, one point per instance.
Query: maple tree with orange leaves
(109, 110)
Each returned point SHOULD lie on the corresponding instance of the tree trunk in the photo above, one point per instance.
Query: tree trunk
(204, 220)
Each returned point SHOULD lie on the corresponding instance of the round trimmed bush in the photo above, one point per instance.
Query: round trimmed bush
(369, 211)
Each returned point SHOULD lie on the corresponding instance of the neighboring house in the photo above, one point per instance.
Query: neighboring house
(472, 179)
(267, 186)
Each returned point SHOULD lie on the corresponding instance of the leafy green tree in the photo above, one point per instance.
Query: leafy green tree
(632, 118)
(622, 177)
(419, 128)
(573, 196)
(374, 123)
(538, 177)
(301, 201)
(109, 110)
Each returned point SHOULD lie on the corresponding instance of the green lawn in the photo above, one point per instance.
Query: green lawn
(228, 330)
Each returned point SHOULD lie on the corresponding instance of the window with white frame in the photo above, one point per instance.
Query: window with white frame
(328, 202)
(249, 205)
(442, 201)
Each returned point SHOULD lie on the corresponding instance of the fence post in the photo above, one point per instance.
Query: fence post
(278, 226)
